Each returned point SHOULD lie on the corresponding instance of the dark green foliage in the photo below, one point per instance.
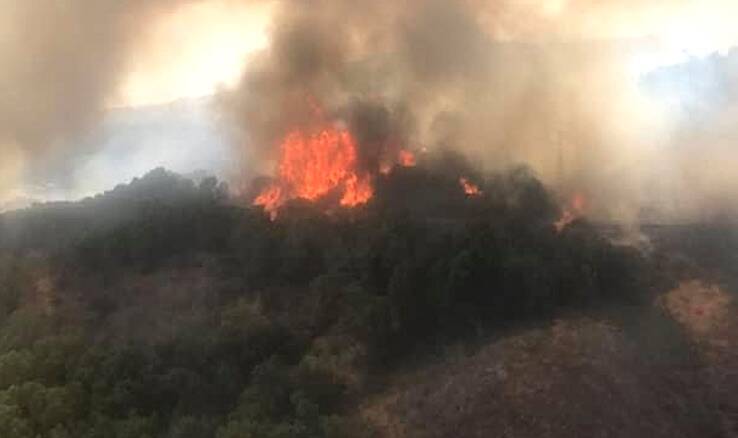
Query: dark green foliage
(161, 310)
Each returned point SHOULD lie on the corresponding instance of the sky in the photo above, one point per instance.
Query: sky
(95, 95)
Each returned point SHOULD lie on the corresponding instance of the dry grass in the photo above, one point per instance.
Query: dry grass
(701, 308)
(709, 316)
(579, 377)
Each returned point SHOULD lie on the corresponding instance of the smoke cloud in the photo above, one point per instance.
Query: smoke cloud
(438, 75)
(552, 84)
(546, 83)
(62, 61)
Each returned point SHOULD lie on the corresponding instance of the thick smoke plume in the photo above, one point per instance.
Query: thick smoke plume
(435, 75)
(545, 83)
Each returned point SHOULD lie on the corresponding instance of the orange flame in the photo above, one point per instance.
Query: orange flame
(358, 191)
(469, 187)
(313, 165)
(571, 212)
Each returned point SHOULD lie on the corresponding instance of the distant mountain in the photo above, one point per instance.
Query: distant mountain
(52, 225)
(183, 136)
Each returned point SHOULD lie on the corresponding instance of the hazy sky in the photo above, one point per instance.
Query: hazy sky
(202, 45)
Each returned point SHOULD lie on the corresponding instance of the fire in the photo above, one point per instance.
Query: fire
(469, 187)
(314, 164)
(358, 191)
(572, 212)
(406, 158)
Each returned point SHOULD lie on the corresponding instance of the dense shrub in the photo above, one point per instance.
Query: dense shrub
(106, 330)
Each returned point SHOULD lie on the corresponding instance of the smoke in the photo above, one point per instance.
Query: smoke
(61, 64)
(551, 84)
(437, 74)
(372, 66)
(545, 83)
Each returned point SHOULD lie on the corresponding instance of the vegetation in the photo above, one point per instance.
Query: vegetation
(162, 309)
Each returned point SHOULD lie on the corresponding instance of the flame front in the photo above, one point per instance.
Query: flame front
(358, 191)
(313, 165)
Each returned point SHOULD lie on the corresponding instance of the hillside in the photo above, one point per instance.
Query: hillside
(164, 308)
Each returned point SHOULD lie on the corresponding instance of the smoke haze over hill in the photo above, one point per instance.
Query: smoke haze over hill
(555, 85)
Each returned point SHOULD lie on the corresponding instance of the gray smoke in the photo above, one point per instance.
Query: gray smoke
(436, 76)
(546, 85)
(541, 83)
(61, 60)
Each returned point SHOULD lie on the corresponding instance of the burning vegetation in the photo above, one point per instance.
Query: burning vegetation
(469, 187)
(406, 158)
(317, 164)
(322, 163)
